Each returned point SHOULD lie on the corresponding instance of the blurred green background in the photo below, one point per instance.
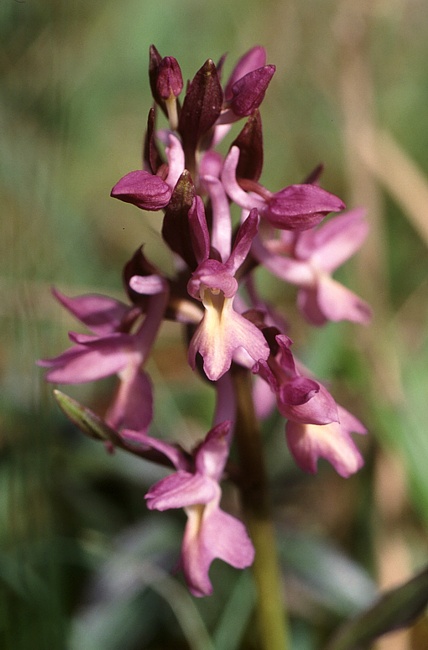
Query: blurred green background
(82, 564)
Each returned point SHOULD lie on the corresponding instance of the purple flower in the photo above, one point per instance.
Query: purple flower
(299, 398)
(312, 257)
(296, 207)
(332, 441)
(247, 85)
(110, 351)
(252, 60)
(210, 532)
(223, 331)
(317, 426)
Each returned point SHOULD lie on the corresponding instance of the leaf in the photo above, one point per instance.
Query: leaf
(396, 609)
(95, 427)
(332, 582)
(86, 420)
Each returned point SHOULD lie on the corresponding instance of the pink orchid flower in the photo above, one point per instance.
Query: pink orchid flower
(110, 351)
(317, 427)
(223, 331)
(210, 532)
(309, 260)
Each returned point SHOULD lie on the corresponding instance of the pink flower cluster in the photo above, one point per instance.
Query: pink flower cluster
(214, 295)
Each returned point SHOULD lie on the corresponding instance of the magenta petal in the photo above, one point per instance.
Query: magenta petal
(101, 314)
(145, 190)
(251, 60)
(181, 490)
(337, 302)
(216, 339)
(212, 454)
(262, 368)
(133, 404)
(228, 539)
(308, 443)
(320, 409)
(299, 391)
(300, 207)
(81, 364)
(335, 241)
(249, 91)
(212, 534)
(349, 422)
(212, 274)
(221, 231)
(175, 155)
(148, 285)
(199, 230)
(307, 302)
(293, 271)
(243, 241)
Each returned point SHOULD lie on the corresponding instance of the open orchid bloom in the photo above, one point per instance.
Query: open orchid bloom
(308, 260)
(210, 532)
(299, 398)
(317, 426)
(222, 330)
(110, 351)
(332, 441)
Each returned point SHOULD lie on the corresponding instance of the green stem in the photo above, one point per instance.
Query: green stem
(258, 517)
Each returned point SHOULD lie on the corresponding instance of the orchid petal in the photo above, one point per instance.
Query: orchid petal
(211, 533)
(300, 207)
(230, 184)
(248, 92)
(222, 223)
(199, 230)
(251, 60)
(243, 241)
(335, 241)
(175, 154)
(145, 190)
(101, 314)
(212, 454)
(309, 442)
(133, 404)
(219, 335)
(181, 490)
(80, 364)
(337, 302)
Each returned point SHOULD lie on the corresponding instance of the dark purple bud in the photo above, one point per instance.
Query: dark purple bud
(201, 107)
(199, 230)
(249, 91)
(169, 82)
(154, 63)
(175, 227)
(138, 265)
(250, 143)
(152, 158)
(314, 176)
(300, 207)
(146, 191)
(251, 60)
(219, 65)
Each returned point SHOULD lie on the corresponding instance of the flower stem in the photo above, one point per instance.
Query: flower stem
(258, 517)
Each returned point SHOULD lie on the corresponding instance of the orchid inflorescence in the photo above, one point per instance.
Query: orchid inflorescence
(214, 295)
